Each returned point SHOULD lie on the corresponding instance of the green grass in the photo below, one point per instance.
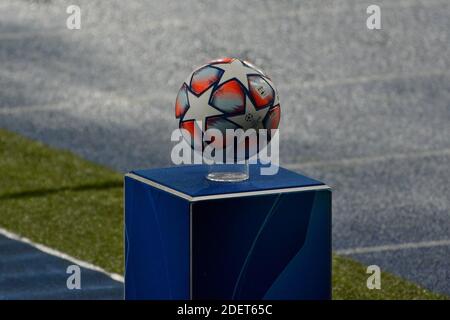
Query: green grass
(67, 203)
(349, 282)
(61, 200)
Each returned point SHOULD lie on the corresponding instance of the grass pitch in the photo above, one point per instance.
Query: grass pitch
(58, 199)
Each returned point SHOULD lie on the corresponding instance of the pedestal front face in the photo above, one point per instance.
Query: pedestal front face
(189, 238)
(157, 258)
(262, 247)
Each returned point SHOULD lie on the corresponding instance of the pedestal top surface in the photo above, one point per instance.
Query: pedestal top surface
(191, 180)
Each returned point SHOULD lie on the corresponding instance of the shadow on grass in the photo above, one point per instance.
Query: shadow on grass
(48, 191)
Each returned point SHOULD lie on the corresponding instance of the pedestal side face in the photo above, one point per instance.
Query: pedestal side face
(262, 247)
(157, 258)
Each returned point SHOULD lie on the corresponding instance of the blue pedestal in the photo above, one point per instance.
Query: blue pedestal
(190, 238)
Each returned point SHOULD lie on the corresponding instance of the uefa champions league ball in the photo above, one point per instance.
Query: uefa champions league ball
(227, 93)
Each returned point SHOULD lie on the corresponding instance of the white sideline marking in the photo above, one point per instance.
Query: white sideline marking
(365, 79)
(26, 109)
(367, 160)
(394, 247)
(61, 255)
(306, 85)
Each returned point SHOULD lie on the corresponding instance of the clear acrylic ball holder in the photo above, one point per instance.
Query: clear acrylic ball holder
(233, 172)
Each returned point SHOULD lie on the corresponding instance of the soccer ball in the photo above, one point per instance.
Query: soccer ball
(226, 93)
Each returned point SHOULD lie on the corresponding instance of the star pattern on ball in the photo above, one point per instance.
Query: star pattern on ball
(235, 69)
(200, 109)
(252, 118)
